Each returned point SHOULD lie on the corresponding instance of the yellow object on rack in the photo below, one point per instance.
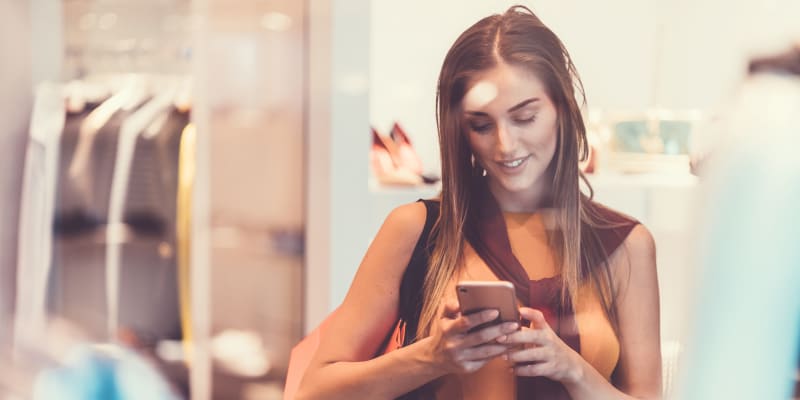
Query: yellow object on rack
(186, 176)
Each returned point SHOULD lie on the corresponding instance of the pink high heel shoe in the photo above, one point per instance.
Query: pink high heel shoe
(385, 165)
(408, 157)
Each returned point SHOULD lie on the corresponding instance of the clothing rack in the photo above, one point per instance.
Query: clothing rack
(100, 220)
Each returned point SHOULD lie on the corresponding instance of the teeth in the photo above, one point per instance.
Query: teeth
(515, 163)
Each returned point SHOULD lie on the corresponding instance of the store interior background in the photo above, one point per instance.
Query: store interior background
(284, 93)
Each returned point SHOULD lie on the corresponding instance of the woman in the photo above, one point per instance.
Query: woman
(511, 136)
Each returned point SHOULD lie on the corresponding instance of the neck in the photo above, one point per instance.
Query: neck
(523, 201)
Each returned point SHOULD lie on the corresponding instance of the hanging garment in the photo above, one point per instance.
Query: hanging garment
(149, 213)
(88, 173)
(87, 145)
(184, 203)
(123, 163)
(82, 201)
(36, 212)
(116, 263)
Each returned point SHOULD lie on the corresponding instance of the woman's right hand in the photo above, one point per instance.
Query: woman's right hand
(456, 350)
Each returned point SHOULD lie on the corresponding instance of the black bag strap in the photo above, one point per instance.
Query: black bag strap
(410, 301)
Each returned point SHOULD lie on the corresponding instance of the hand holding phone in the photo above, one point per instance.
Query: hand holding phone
(474, 296)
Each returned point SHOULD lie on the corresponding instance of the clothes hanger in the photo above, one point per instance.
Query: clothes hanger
(182, 88)
(75, 96)
(133, 93)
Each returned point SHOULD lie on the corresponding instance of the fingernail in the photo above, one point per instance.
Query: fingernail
(511, 326)
(505, 357)
(492, 314)
(502, 339)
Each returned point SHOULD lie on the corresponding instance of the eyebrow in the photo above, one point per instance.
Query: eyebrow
(510, 110)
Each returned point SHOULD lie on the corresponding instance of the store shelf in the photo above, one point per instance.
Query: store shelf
(645, 180)
(378, 189)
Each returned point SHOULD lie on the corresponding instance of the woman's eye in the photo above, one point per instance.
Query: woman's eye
(525, 120)
(481, 128)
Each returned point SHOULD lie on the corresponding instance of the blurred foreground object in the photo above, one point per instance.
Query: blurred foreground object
(746, 330)
(102, 373)
(59, 363)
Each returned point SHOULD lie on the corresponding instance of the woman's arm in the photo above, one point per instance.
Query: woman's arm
(343, 367)
(638, 371)
(365, 317)
(638, 374)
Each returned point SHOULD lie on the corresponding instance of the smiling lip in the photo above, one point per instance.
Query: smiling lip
(513, 164)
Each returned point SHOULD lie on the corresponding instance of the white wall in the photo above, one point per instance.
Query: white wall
(706, 45)
(631, 54)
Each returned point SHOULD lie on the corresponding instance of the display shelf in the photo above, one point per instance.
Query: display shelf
(377, 188)
(648, 180)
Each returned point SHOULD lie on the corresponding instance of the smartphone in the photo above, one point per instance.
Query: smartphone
(474, 296)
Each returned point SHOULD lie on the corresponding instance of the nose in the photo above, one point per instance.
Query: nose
(505, 139)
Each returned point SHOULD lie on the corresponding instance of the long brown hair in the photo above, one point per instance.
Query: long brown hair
(517, 37)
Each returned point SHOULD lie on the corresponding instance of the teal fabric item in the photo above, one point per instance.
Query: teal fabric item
(90, 374)
(86, 377)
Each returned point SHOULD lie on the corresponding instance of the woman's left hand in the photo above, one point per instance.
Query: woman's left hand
(542, 352)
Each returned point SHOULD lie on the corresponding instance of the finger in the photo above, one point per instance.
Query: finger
(481, 353)
(541, 369)
(467, 322)
(535, 316)
(450, 309)
(530, 355)
(461, 325)
(526, 336)
(489, 333)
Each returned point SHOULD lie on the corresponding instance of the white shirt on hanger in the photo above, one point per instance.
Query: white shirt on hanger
(36, 214)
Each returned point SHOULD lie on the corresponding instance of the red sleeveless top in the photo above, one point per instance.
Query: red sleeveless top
(488, 236)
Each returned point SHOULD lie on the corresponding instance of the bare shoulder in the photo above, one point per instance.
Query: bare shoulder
(406, 221)
(392, 247)
(640, 243)
(634, 263)
(637, 240)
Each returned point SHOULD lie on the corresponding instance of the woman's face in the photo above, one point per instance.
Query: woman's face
(511, 126)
